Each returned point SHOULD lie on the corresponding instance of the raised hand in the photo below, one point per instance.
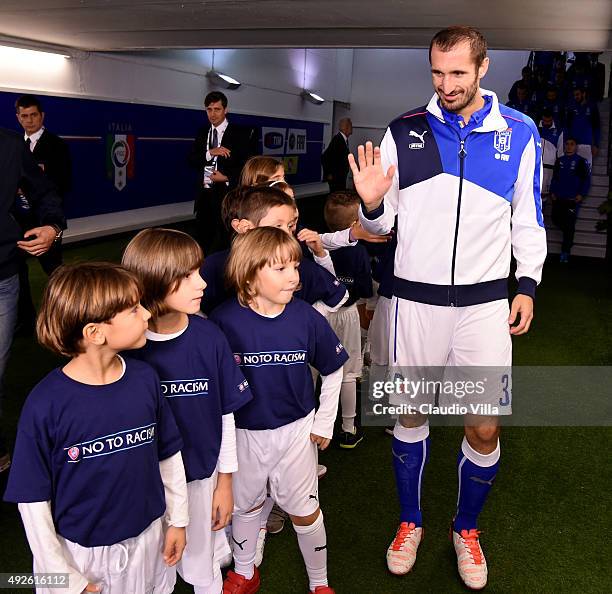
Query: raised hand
(370, 180)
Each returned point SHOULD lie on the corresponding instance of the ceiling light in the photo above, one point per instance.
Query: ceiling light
(222, 80)
(312, 97)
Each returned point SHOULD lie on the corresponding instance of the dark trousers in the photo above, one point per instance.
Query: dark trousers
(564, 215)
(26, 313)
(211, 233)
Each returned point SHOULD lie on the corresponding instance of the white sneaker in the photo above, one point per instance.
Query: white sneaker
(401, 553)
(471, 561)
(261, 543)
(321, 470)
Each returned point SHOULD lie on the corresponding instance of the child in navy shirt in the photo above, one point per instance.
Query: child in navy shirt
(97, 463)
(353, 268)
(203, 386)
(261, 206)
(274, 338)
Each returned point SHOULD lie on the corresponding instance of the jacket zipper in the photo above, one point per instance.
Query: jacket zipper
(462, 155)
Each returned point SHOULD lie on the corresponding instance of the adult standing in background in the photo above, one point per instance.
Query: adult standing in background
(334, 158)
(219, 153)
(462, 174)
(18, 169)
(52, 155)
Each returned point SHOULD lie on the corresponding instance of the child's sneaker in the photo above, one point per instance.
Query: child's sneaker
(348, 440)
(261, 543)
(234, 583)
(276, 520)
(471, 561)
(323, 590)
(401, 553)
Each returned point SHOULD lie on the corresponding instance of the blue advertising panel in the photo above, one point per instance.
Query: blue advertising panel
(129, 155)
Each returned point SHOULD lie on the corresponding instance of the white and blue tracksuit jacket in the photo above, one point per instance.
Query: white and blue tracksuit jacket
(465, 198)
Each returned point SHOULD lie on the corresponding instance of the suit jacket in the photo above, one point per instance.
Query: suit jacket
(335, 159)
(238, 139)
(52, 152)
(18, 169)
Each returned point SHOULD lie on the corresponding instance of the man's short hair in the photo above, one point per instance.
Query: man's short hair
(28, 101)
(341, 210)
(570, 139)
(447, 39)
(161, 259)
(252, 203)
(251, 251)
(215, 96)
(522, 86)
(547, 113)
(81, 294)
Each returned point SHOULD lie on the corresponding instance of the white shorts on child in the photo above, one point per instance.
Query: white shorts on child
(132, 566)
(287, 459)
(378, 333)
(205, 548)
(345, 323)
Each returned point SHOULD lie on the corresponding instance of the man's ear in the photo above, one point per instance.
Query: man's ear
(94, 334)
(242, 225)
(482, 70)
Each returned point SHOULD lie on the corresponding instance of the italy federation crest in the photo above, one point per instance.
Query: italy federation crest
(120, 158)
(501, 142)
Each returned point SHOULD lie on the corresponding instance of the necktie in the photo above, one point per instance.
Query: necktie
(215, 139)
(29, 142)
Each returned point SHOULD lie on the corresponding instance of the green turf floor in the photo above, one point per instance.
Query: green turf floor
(546, 526)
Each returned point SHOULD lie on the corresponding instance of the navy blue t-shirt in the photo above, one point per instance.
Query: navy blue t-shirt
(317, 283)
(353, 269)
(201, 382)
(274, 354)
(94, 452)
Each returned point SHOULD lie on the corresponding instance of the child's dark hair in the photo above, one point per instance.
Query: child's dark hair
(251, 251)
(81, 294)
(252, 203)
(161, 258)
(340, 210)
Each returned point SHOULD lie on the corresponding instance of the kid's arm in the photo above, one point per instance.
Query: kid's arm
(328, 404)
(175, 487)
(228, 459)
(45, 546)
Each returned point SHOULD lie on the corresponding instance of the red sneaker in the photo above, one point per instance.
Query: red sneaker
(323, 590)
(235, 583)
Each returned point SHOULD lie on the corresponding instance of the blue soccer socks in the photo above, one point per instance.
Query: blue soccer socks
(410, 451)
(476, 473)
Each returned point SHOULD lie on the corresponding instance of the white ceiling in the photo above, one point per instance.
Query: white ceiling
(115, 25)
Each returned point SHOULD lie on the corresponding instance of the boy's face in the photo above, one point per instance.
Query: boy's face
(275, 283)
(126, 330)
(283, 217)
(570, 147)
(188, 295)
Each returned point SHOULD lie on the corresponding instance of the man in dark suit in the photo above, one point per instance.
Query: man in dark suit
(335, 158)
(19, 170)
(53, 157)
(219, 153)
